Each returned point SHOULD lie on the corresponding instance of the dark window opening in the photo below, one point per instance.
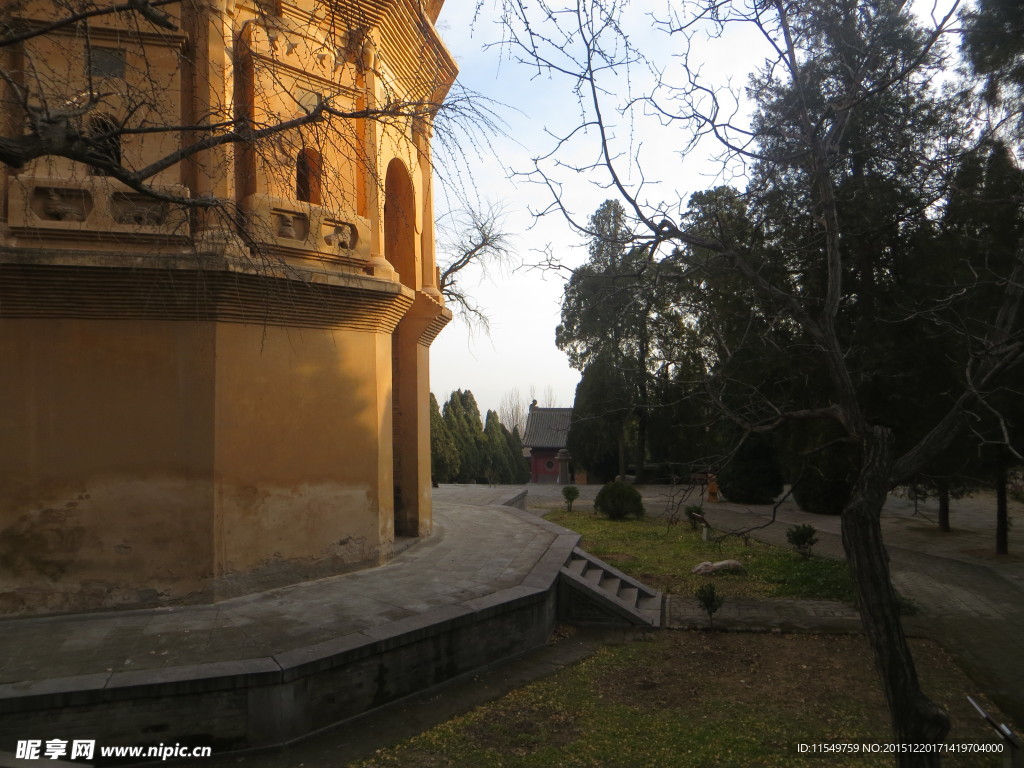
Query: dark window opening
(106, 62)
(307, 176)
(106, 143)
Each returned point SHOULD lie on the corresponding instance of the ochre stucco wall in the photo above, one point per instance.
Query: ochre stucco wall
(106, 453)
(193, 404)
(147, 457)
(298, 428)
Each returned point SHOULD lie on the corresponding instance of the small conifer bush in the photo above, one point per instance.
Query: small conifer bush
(709, 600)
(802, 538)
(619, 500)
(570, 493)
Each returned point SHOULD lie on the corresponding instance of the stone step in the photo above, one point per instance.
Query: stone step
(594, 592)
(649, 603)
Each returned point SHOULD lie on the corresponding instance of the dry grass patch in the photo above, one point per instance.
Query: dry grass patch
(681, 699)
(662, 556)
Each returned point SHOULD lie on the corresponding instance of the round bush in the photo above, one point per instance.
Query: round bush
(618, 500)
(753, 476)
(824, 489)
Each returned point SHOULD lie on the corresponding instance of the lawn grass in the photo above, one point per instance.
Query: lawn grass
(680, 699)
(662, 556)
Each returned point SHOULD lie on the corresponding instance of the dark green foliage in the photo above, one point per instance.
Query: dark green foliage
(709, 600)
(520, 466)
(462, 450)
(444, 453)
(618, 500)
(462, 416)
(753, 475)
(616, 310)
(826, 483)
(802, 538)
(570, 493)
(994, 44)
(599, 415)
(498, 465)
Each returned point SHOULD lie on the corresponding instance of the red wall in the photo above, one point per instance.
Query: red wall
(539, 460)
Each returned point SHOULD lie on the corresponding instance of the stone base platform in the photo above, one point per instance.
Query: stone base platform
(269, 668)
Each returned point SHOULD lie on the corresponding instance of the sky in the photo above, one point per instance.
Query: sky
(523, 304)
(518, 351)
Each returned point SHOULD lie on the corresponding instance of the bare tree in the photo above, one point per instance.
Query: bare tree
(471, 237)
(512, 410)
(546, 399)
(94, 89)
(829, 69)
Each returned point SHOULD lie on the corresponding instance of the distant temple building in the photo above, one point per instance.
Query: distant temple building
(196, 406)
(547, 430)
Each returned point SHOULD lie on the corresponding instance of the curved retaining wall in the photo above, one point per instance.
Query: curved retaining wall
(256, 702)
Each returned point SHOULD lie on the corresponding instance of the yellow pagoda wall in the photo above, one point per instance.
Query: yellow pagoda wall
(186, 414)
(106, 496)
(302, 428)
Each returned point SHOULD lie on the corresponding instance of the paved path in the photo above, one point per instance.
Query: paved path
(474, 551)
(971, 600)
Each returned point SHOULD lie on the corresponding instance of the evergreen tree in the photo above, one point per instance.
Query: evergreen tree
(597, 435)
(463, 420)
(617, 307)
(499, 468)
(753, 476)
(444, 454)
(994, 44)
(520, 468)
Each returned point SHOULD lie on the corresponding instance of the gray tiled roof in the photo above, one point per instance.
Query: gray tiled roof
(547, 427)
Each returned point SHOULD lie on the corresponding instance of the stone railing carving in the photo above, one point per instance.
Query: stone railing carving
(94, 205)
(308, 231)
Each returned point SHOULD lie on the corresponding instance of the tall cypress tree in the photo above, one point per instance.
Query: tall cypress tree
(444, 453)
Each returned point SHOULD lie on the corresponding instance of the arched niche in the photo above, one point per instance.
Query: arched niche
(106, 134)
(400, 222)
(308, 174)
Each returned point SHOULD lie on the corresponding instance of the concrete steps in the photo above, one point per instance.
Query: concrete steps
(593, 592)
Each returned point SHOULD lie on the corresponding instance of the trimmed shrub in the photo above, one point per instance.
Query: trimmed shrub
(753, 476)
(570, 493)
(826, 483)
(802, 538)
(619, 500)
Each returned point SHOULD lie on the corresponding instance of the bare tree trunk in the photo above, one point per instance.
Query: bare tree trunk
(943, 506)
(915, 719)
(1002, 516)
(640, 454)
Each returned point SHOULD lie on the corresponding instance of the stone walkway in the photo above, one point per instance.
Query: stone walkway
(473, 553)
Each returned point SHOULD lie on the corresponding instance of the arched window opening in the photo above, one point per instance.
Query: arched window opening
(400, 222)
(106, 142)
(307, 176)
